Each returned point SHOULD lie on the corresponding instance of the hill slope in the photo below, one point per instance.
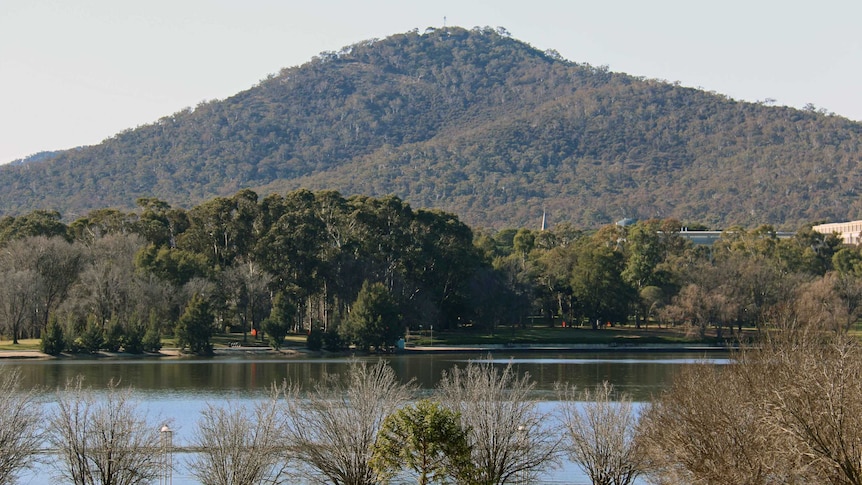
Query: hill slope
(478, 124)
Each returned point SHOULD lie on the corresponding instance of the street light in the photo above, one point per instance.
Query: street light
(167, 435)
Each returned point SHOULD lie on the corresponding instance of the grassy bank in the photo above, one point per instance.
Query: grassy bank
(535, 335)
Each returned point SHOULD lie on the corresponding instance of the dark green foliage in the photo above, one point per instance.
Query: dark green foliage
(37, 223)
(427, 439)
(53, 341)
(374, 320)
(152, 340)
(133, 339)
(278, 324)
(173, 265)
(195, 327)
(314, 340)
(91, 339)
(113, 336)
(332, 341)
(472, 122)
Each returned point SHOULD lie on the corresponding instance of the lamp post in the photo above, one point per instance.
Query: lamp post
(167, 477)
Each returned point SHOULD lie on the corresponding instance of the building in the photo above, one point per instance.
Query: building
(849, 232)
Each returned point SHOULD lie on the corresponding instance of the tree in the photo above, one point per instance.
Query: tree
(508, 435)
(53, 340)
(426, 439)
(238, 447)
(20, 425)
(597, 283)
(195, 327)
(332, 429)
(246, 287)
(277, 325)
(710, 426)
(16, 305)
(374, 320)
(103, 438)
(601, 435)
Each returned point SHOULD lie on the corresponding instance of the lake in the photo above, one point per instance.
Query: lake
(178, 389)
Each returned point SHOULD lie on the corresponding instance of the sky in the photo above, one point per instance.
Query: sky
(76, 72)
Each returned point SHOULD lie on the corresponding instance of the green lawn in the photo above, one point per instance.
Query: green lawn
(23, 344)
(465, 336)
(555, 335)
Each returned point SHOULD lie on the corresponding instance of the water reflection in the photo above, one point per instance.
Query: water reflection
(641, 375)
(179, 388)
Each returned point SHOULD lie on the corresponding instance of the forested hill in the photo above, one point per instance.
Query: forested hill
(478, 124)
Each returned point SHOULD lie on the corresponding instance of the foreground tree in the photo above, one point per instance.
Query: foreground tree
(710, 427)
(508, 435)
(601, 435)
(239, 447)
(816, 402)
(20, 426)
(103, 438)
(332, 429)
(788, 410)
(427, 440)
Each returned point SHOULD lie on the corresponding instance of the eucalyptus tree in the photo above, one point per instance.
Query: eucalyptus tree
(222, 229)
(245, 288)
(440, 261)
(290, 246)
(597, 283)
(159, 223)
(40, 222)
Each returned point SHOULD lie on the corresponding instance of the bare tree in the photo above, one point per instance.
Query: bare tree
(57, 264)
(509, 436)
(20, 431)
(332, 429)
(17, 308)
(103, 438)
(238, 447)
(602, 434)
(711, 426)
(816, 402)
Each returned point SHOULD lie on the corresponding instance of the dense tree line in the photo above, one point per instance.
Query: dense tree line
(299, 262)
(361, 270)
(478, 124)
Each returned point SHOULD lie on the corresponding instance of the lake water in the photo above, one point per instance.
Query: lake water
(178, 389)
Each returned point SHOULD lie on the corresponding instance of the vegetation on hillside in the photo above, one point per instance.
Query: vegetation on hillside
(478, 124)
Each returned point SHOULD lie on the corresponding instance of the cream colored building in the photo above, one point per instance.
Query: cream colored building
(849, 232)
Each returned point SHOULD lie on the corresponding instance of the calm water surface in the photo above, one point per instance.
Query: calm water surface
(177, 389)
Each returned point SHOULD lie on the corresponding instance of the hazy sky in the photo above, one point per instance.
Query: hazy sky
(75, 72)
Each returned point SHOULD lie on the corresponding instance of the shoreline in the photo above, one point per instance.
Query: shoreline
(174, 353)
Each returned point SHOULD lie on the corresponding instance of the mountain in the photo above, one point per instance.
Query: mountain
(476, 123)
